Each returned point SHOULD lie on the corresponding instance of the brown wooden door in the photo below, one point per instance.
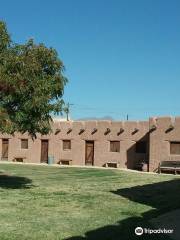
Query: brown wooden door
(89, 155)
(44, 151)
(5, 146)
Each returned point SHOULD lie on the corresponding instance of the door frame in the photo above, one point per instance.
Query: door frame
(86, 143)
(5, 139)
(44, 140)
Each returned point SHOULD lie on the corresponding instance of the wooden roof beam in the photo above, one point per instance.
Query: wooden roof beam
(58, 130)
(94, 131)
(81, 131)
(121, 130)
(135, 131)
(108, 130)
(69, 130)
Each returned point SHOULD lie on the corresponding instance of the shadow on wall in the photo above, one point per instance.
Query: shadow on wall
(14, 182)
(163, 197)
(133, 158)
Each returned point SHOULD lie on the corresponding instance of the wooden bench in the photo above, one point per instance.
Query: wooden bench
(112, 164)
(169, 166)
(19, 159)
(65, 162)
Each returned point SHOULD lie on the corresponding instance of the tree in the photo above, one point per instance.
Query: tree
(31, 85)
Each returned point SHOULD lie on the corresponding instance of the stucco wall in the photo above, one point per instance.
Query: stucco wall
(160, 140)
(127, 157)
(155, 132)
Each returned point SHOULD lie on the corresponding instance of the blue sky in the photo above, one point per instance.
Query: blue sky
(121, 56)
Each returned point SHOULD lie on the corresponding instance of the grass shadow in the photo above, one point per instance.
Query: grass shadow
(162, 196)
(14, 182)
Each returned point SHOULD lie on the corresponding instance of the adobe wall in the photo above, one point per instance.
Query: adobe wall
(167, 130)
(127, 157)
(158, 132)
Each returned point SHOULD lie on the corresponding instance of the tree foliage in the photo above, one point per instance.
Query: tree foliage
(31, 85)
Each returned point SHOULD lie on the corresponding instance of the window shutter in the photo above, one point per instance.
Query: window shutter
(175, 148)
(115, 146)
(66, 144)
(24, 143)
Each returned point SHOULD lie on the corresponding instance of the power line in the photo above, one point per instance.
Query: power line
(115, 109)
(121, 112)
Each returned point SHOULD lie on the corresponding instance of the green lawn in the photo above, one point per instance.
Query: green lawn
(42, 202)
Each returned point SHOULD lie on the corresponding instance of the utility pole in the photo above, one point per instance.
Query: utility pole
(67, 110)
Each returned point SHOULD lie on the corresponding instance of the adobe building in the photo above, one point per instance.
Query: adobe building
(99, 143)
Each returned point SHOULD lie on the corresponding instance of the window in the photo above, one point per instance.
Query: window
(141, 147)
(24, 143)
(175, 148)
(115, 146)
(66, 144)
